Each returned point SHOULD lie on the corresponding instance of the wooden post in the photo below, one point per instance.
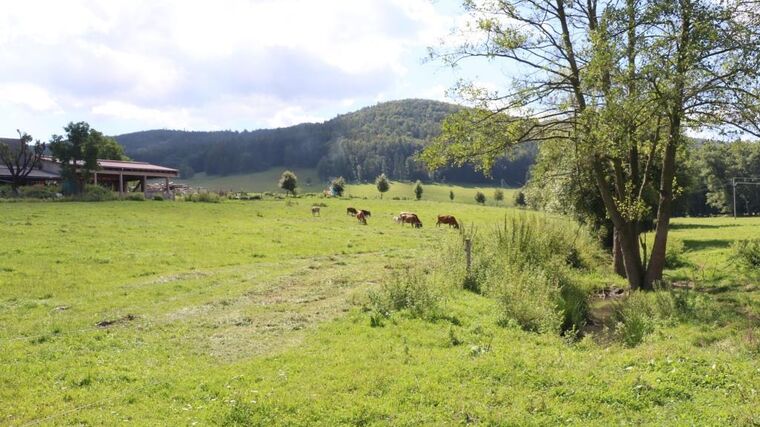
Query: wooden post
(121, 184)
(733, 184)
(96, 178)
(468, 254)
(142, 183)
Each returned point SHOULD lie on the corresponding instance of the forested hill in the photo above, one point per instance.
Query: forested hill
(358, 146)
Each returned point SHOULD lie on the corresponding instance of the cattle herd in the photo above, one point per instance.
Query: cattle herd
(410, 218)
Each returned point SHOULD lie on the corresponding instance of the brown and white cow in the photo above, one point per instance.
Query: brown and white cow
(447, 219)
(410, 218)
(366, 212)
(315, 211)
(351, 211)
(362, 218)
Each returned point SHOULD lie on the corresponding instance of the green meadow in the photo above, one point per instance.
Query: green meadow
(309, 182)
(256, 313)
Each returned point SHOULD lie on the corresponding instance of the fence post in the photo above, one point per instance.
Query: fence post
(468, 254)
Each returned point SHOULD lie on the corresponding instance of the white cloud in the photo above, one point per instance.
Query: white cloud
(28, 96)
(181, 63)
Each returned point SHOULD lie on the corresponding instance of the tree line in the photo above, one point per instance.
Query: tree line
(358, 146)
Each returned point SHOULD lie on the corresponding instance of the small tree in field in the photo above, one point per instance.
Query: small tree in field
(451, 195)
(498, 195)
(520, 199)
(338, 186)
(418, 189)
(289, 182)
(21, 158)
(480, 198)
(382, 184)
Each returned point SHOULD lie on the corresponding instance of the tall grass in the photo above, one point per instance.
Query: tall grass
(530, 264)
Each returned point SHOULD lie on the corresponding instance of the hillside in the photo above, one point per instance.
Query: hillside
(358, 146)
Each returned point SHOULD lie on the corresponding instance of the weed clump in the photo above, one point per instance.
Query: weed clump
(409, 292)
(746, 254)
(205, 198)
(529, 265)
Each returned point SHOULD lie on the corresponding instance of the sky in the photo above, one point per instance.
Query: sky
(130, 65)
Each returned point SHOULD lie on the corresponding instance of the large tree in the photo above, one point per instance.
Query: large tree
(21, 158)
(75, 152)
(621, 82)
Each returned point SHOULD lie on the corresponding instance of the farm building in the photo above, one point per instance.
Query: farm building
(119, 175)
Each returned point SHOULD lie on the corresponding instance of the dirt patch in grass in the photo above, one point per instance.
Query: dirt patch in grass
(112, 322)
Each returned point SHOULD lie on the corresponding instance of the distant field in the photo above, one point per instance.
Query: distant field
(267, 181)
(250, 313)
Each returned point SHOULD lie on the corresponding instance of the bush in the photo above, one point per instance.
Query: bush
(480, 198)
(520, 199)
(136, 197)
(95, 193)
(635, 318)
(674, 257)
(205, 198)
(158, 198)
(528, 265)
(746, 254)
(39, 191)
(6, 191)
(409, 292)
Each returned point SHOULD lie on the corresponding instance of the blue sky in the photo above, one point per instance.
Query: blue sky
(128, 65)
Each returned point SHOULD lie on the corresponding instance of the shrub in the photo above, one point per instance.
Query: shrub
(674, 257)
(408, 291)
(205, 198)
(6, 191)
(136, 197)
(95, 193)
(635, 317)
(418, 190)
(480, 198)
(158, 198)
(746, 253)
(520, 199)
(338, 186)
(498, 195)
(38, 191)
(528, 265)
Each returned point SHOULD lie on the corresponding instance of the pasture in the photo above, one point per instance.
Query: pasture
(250, 313)
(309, 182)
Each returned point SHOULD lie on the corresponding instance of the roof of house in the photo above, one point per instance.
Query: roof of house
(134, 166)
(34, 174)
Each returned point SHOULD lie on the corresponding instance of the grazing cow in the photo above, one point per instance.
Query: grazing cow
(410, 218)
(447, 219)
(315, 211)
(362, 218)
(366, 213)
(351, 211)
(397, 219)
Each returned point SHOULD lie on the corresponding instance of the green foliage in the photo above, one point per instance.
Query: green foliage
(674, 255)
(81, 148)
(480, 198)
(451, 195)
(205, 198)
(409, 291)
(498, 195)
(338, 186)
(95, 193)
(746, 254)
(158, 198)
(382, 184)
(520, 199)
(288, 182)
(418, 190)
(39, 191)
(529, 265)
(135, 197)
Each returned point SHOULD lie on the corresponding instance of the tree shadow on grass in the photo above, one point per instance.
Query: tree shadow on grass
(697, 226)
(698, 245)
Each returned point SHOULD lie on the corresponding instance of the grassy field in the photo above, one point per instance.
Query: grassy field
(250, 313)
(309, 182)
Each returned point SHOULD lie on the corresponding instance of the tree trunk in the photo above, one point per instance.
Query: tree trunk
(657, 258)
(617, 254)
